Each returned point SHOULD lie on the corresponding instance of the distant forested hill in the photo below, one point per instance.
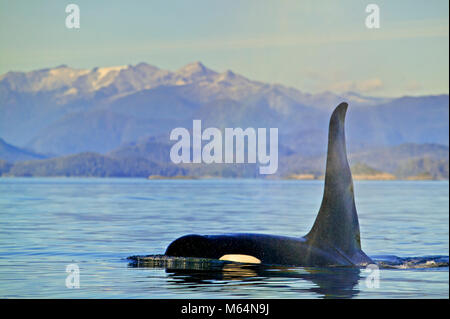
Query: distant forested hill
(150, 158)
(92, 165)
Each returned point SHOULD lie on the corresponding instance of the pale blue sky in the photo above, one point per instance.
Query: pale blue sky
(311, 45)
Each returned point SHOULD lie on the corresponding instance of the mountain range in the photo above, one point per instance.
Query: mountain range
(62, 111)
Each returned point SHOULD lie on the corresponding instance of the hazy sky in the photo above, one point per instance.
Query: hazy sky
(311, 45)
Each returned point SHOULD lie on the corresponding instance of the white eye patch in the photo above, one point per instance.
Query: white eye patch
(241, 258)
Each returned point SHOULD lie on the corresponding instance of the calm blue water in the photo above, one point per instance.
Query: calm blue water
(46, 224)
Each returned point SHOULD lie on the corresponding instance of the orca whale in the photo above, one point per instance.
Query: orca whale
(334, 239)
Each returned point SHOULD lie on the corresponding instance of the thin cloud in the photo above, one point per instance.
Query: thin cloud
(413, 86)
(364, 86)
(397, 31)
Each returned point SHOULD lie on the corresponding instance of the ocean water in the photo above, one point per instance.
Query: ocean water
(47, 224)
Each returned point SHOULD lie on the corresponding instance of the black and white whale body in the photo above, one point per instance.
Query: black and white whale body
(334, 239)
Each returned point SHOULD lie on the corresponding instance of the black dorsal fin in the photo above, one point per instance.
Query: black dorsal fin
(337, 224)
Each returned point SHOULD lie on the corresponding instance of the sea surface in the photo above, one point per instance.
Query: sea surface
(47, 224)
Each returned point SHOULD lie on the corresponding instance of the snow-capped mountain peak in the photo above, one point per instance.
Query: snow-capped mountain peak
(66, 84)
(195, 70)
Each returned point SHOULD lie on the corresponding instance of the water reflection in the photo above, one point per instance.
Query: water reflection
(334, 282)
